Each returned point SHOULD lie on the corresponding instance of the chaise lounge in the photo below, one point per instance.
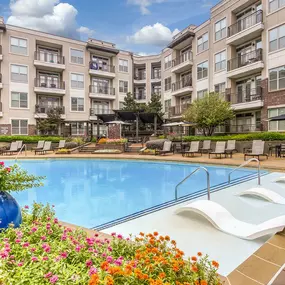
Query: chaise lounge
(194, 148)
(257, 150)
(220, 150)
(45, 149)
(167, 148)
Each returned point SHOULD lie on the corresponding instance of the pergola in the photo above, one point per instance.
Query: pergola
(130, 116)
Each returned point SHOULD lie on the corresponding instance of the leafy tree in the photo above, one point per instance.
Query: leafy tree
(130, 103)
(51, 124)
(209, 112)
(155, 105)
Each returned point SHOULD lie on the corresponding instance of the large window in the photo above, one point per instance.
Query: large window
(167, 83)
(19, 127)
(19, 73)
(276, 4)
(277, 125)
(123, 86)
(123, 65)
(77, 81)
(203, 43)
(202, 70)
(277, 78)
(220, 88)
(202, 93)
(19, 100)
(277, 38)
(76, 56)
(77, 104)
(220, 61)
(167, 105)
(19, 46)
(77, 129)
(168, 61)
(220, 29)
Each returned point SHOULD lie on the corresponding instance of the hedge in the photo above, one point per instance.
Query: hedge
(266, 136)
(30, 139)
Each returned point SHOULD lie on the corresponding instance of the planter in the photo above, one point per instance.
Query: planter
(120, 147)
(10, 212)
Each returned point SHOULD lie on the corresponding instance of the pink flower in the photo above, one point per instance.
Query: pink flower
(45, 258)
(96, 235)
(1, 163)
(104, 254)
(26, 244)
(64, 254)
(26, 207)
(34, 229)
(92, 271)
(33, 249)
(43, 238)
(46, 247)
(78, 248)
(120, 236)
(109, 259)
(89, 263)
(63, 237)
(110, 248)
(48, 218)
(20, 264)
(55, 221)
(48, 226)
(34, 258)
(8, 169)
(4, 254)
(17, 240)
(113, 234)
(53, 279)
(118, 262)
(48, 275)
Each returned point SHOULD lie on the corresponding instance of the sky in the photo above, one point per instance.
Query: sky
(141, 26)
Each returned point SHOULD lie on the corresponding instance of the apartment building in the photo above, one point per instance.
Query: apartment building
(239, 52)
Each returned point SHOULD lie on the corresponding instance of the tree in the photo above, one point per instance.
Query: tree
(209, 112)
(155, 105)
(130, 103)
(51, 124)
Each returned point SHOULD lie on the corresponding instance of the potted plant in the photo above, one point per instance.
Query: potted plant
(14, 179)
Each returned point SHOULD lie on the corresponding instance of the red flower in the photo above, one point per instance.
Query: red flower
(1, 163)
(8, 169)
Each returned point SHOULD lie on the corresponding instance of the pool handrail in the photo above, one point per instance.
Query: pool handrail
(20, 151)
(188, 176)
(244, 164)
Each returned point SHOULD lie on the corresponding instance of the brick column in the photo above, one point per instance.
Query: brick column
(31, 130)
(114, 131)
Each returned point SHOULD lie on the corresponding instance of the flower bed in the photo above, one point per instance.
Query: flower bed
(112, 141)
(148, 151)
(42, 251)
(108, 151)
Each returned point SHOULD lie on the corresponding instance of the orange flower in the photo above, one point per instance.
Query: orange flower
(109, 280)
(199, 253)
(155, 234)
(167, 238)
(161, 275)
(204, 282)
(194, 268)
(104, 265)
(215, 264)
(94, 280)
(173, 242)
(161, 238)
(194, 258)
(142, 234)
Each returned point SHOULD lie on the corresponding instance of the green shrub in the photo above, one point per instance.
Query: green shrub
(30, 139)
(78, 140)
(63, 151)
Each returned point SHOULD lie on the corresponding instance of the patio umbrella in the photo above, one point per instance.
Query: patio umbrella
(277, 118)
(179, 124)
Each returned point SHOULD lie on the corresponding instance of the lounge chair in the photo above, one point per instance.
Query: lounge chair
(220, 150)
(231, 147)
(61, 145)
(20, 144)
(45, 149)
(194, 148)
(39, 146)
(167, 148)
(257, 150)
(13, 148)
(224, 221)
(206, 147)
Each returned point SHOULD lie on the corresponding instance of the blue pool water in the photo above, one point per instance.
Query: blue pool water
(92, 192)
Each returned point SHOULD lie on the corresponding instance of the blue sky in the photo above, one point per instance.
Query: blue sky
(142, 26)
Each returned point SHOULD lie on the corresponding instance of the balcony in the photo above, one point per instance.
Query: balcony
(177, 111)
(99, 111)
(1, 84)
(49, 85)
(156, 76)
(246, 29)
(182, 87)
(49, 61)
(41, 111)
(139, 96)
(251, 99)
(182, 63)
(140, 77)
(246, 128)
(102, 92)
(1, 55)
(101, 70)
(246, 64)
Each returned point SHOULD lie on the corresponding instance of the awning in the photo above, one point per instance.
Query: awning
(106, 117)
(277, 118)
(175, 124)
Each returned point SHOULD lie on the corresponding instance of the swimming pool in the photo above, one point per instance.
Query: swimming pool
(91, 192)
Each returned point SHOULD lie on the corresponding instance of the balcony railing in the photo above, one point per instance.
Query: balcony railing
(245, 96)
(49, 57)
(101, 90)
(247, 22)
(185, 82)
(0, 78)
(139, 96)
(49, 82)
(41, 109)
(100, 111)
(182, 58)
(140, 75)
(246, 128)
(245, 59)
(156, 75)
(0, 49)
(0, 106)
(101, 67)
(178, 110)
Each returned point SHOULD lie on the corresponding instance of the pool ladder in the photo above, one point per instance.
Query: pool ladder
(20, 151)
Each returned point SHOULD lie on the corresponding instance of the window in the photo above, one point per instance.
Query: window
(277, 78)
(123, 86)
(277, 38)
(19, 100)
(202, 93)
(123, 65)
(76, 56)
(203, 43)
(276, 4)
(167, 83)
(220, 61)
(167, 61)
(156, 89)
(77, 128)
(19, 46)
(202, 70)
(167, 105)
(277, 125)
(19, 73)
(220, 88)
(19, 127)
(220, 29)
(77, 81)
(77, 104)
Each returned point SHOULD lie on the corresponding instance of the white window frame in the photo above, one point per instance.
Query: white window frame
(215, 32)
(219, 84)
(123, 66)
(78, 133)
(277, 79)
(168, 61)
(277, 122)
(77, 74)
(18, 38)
(77, 111)
(80, 64)
(19, 65)
(278, 6)
(203, 43)
(204, 91)
(19, 119)
(201, 63)
(221, 61)
(277, 38)
(124, 81)
(19, 93)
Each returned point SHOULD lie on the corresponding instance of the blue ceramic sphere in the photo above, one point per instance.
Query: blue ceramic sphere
(10, 212)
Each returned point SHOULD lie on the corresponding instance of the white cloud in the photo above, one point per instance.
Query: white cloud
(46, 15)
(144, 4)
(86, 31)
(157, 35)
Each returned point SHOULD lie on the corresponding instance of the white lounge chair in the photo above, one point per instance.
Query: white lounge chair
(206, 146)
(194, 148)
(45, 149)
(257, 150)
(280, 179)
(266, 194)
(220, 149)
(167, 148)
(224, 221)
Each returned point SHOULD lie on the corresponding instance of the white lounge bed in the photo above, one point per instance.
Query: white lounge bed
(224, 221)
(266, 194)
(280, 179)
